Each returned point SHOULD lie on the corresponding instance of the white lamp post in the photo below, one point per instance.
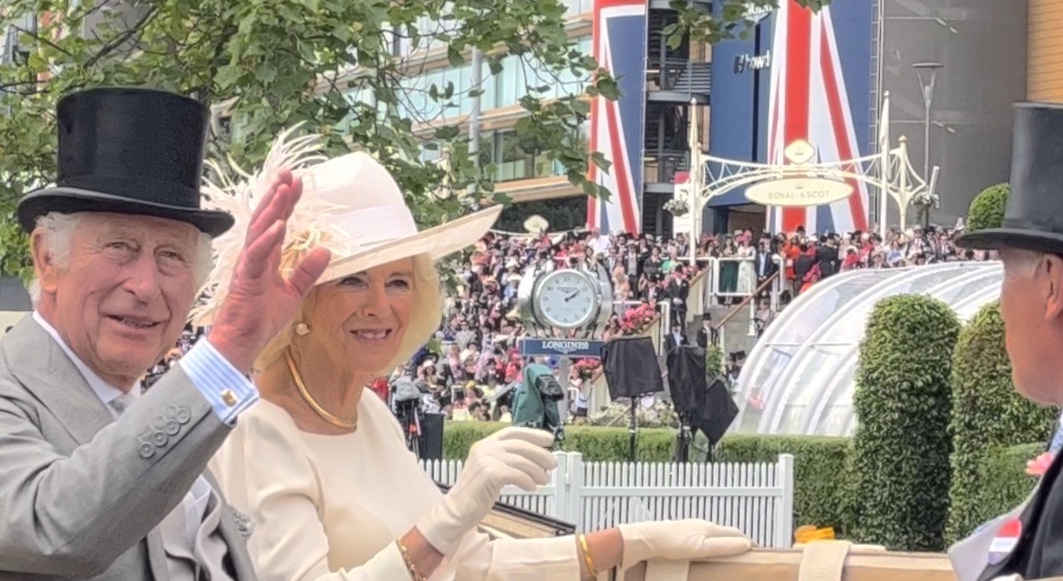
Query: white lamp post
(927, 73)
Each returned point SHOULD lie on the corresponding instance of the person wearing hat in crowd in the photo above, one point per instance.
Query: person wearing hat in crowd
(676, 337)
(323, 469)
(98, 482)
(707, 334)
(1028, 541)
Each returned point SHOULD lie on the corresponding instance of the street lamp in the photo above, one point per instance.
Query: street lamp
(927, 73)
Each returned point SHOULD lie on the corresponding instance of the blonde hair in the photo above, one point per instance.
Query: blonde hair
(423, 323)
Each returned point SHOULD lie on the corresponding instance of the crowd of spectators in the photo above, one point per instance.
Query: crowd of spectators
(809, 257)
(470, 369)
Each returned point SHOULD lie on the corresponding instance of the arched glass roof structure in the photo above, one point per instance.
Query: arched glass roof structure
(798, 378)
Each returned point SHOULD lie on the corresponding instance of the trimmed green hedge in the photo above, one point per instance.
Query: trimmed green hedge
(1004, 479)
(818, 461)
(987, 412)
(820, 485)
(987, 208)
(596, 443)
(900, 462)
(825, 486)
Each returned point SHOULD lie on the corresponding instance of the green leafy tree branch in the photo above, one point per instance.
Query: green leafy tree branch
(330, 64)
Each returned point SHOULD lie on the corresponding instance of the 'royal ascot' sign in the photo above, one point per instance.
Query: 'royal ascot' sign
(798, 192)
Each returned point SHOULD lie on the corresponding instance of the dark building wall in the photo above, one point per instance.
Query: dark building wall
(983, 49)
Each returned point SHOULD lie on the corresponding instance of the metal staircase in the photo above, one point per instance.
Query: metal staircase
(658, 20)
(672, 82)
(666, 127)
(671, 77)
(665, 147)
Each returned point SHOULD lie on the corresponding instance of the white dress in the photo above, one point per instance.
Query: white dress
(747, 275)
(328, 508)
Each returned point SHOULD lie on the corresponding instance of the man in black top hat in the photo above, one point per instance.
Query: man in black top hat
(1028, 541)
(707, 334)
(96, 481)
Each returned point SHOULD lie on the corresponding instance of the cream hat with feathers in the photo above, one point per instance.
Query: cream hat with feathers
(350, 205)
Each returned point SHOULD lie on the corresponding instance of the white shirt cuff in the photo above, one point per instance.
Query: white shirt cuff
(227, 390)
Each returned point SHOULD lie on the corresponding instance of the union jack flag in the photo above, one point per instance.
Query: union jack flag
(808, 101)
(619, 45)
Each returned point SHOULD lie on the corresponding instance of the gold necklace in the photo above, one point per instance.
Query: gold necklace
(346, 424)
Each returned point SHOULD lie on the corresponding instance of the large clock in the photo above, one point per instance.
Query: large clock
(566, 299)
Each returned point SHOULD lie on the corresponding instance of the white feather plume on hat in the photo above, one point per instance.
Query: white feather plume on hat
(239, 192)
(351, 205)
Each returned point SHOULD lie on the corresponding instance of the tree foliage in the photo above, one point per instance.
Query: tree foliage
(903, 405)
(14, 250)
(987, 412)
(328, 63)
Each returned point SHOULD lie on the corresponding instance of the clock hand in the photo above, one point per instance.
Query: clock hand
(571, 296)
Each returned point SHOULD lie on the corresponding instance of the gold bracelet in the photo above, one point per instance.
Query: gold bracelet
(587, 556)
(417, 576)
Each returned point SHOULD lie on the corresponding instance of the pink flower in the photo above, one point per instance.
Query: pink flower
(1039, 465)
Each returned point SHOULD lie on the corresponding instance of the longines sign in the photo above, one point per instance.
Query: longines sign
(798, 192)
(564, 347)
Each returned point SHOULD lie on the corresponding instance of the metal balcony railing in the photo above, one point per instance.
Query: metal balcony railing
(679, 75)
(660, 167)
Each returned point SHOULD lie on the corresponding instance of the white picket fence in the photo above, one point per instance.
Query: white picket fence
(757, 498)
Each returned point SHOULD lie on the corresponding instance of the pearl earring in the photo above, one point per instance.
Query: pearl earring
(302, 329)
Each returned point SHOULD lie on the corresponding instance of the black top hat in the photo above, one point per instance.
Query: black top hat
(1033, 216)
(129, 151)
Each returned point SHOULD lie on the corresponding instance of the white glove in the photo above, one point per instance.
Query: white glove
(513, 456)
(683, 540)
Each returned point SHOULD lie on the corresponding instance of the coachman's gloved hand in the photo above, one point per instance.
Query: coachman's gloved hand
(684, 540)
(514, 456)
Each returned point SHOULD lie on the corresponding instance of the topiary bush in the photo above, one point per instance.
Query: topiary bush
(987, 412)
(987, 208)
(903, 406)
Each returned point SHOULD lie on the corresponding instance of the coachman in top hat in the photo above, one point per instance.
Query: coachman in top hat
(96, 480)
(1029, 540)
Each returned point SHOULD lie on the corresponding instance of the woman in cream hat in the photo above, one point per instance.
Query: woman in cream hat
(323, 473)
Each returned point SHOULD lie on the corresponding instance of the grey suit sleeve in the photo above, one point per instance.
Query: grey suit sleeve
(72, 512)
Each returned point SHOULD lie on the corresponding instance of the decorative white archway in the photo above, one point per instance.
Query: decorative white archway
(890, 171)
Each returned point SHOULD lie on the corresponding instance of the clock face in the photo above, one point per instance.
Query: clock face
(566, 299)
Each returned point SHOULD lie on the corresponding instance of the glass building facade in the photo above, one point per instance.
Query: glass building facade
(798, 379)
(500, 95)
